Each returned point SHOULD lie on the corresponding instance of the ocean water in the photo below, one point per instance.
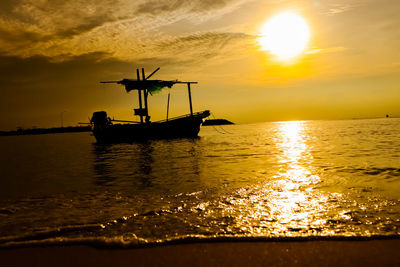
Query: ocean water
(276, 180)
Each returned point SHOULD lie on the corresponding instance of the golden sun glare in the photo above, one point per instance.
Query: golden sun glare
(285, 35)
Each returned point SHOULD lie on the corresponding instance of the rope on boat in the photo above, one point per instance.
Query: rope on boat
(223, 130)
(217, 130)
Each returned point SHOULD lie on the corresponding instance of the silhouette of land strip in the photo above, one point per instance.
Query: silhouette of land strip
(69, 129)
(216, 122)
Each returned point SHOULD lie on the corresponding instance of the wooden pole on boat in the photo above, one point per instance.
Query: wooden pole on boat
(190, 100)
(145, 98)
(168, 106)
(140, 96)
(143, 76)
(152, 73)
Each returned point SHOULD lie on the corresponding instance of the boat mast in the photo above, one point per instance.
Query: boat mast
(146, 107)
(168, 105)
(140, 96)
(190, 99)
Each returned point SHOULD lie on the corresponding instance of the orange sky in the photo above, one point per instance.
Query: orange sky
(54, 53)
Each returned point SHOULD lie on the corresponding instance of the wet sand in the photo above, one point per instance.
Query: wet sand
(314, 253)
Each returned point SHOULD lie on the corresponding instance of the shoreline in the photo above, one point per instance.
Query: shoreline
(316, 252)
(29, 241)
(54, 130)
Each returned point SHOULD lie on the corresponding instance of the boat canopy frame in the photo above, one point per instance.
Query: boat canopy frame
(148, 86)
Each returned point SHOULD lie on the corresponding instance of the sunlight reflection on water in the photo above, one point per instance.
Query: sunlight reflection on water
(283, 179)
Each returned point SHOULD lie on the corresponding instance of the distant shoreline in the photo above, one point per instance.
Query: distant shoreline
(35, 131)
(210, 122)
(216, 122)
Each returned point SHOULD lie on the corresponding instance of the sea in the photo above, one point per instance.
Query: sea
(291, 180)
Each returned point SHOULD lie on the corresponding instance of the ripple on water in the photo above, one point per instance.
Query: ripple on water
(271, 180)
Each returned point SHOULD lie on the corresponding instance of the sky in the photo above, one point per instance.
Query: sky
(53, 53)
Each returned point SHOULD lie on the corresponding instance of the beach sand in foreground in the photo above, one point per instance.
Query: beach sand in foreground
(316, 253)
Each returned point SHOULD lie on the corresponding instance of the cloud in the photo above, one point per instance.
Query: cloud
(202, 46)
(340, 6)
(123, 28)
(339, 9)
(157, 6)
(327, 50)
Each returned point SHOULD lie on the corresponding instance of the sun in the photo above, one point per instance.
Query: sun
(285, 35)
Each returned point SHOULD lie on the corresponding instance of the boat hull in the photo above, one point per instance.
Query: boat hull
(186, 126)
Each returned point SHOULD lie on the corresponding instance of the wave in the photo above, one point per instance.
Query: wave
(120, 242)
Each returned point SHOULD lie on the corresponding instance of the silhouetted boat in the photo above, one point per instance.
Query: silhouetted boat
(105, 131)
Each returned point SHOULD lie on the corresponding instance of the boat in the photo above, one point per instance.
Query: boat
(107, 130)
